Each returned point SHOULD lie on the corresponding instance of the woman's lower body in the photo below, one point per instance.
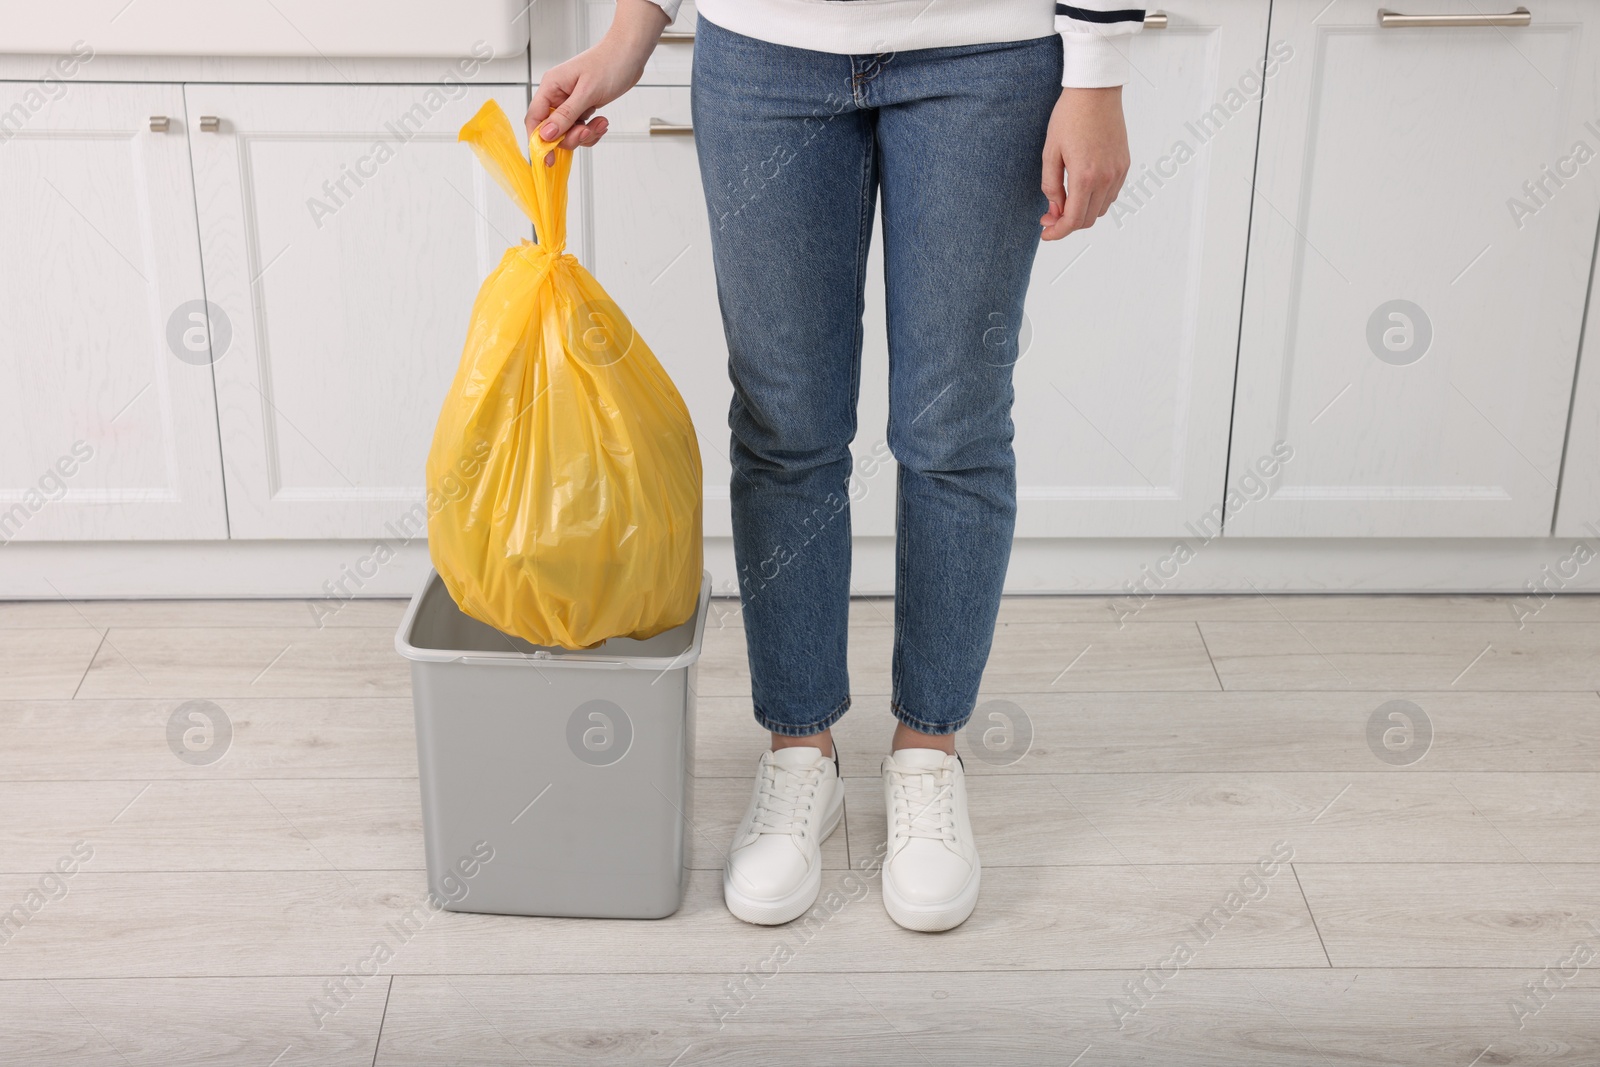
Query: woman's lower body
(796, 147)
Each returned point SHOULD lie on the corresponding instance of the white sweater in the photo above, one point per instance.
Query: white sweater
(1090, 29)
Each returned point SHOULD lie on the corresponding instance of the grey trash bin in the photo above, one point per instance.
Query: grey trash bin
(567, 768)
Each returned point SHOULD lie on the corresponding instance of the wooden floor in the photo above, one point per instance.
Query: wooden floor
(1441, 910)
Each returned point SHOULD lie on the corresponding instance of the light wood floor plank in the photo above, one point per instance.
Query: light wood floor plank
(375, 824)
(1274, 1018)
(216, 825)
(70, 740)
(1409, 655)
(199, 1022)
(44, 664)
(181, 662)
(127, 925)
(1210, 818)
(1453, 915)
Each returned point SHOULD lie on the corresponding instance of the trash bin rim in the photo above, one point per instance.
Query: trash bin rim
(585, 659)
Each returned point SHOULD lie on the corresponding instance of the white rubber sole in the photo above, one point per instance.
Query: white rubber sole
(933, 918)
(762, 911)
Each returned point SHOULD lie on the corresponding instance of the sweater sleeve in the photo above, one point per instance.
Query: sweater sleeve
(1094, 41)
(671, 7)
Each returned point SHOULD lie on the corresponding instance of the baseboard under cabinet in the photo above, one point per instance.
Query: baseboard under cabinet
(40, 570)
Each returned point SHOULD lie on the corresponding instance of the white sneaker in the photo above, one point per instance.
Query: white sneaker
(930, 871)
(774, 868)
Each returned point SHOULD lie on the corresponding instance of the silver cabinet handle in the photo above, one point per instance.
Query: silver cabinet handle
(1155, 20)
(210, 123)
(159, 123)
(661, 126)
(1393, 19)
(677, 37)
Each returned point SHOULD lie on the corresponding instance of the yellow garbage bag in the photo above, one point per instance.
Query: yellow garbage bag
(564, 477)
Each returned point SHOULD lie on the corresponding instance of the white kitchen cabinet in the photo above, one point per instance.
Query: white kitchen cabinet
(345, 233)
(1124, 388)
(107, 419)
(1414, 300)
(1578, 510)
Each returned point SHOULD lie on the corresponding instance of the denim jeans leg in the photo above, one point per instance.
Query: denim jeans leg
(787, 161)
(960, 132)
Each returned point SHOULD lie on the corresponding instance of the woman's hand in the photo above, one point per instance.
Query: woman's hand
(564, 104)
(1087, 145)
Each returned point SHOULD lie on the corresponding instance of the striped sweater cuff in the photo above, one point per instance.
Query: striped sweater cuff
(1093, 56)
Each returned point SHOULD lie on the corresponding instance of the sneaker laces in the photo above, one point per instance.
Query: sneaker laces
(924, 804)
(784, 799)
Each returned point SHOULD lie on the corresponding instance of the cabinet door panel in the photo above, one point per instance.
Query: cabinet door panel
(99, 255)
(1578, 513)
(1414, 299)
(345, 234)
(1123, 391)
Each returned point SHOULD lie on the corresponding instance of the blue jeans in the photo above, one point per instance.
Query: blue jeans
(795, 147)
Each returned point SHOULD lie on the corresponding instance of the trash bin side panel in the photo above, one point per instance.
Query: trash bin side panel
(574, 777)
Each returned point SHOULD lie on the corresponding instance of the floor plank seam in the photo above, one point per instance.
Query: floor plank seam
(377, 1045)
(1349, 968)
(88, 666)
(1209, 657)
(1311, 914)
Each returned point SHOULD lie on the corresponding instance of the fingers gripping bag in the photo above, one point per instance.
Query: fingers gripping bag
(564, 477)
